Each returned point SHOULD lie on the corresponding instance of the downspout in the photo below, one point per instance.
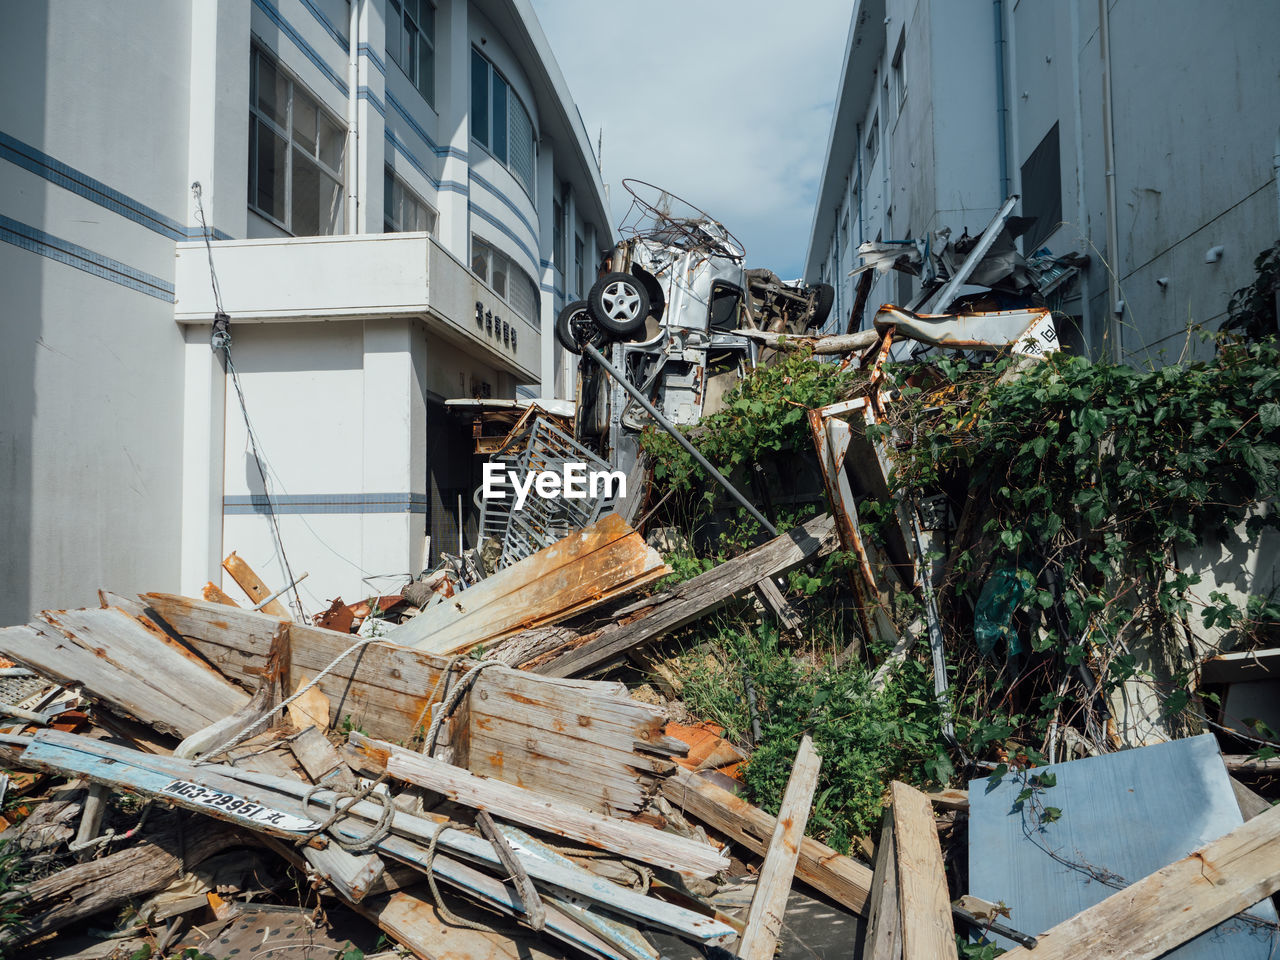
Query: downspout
(1115, 305)
(1275, 172)
(353, 126)
(857, 153)
(1002, 106)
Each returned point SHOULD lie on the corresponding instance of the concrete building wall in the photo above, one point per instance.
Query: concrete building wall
(1194, 95)
(120, 433)
(91, 373)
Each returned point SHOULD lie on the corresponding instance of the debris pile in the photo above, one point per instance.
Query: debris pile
(1023, 739)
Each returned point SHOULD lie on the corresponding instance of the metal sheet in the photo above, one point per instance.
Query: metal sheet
(1124, 814)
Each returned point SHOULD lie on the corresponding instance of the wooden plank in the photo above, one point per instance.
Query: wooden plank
(1241, 665)
(841, 878)
(321, 759)
(883, 938)
(72, 896)
(1169, 907)
(769, 903)
(1251, 803)
(788, 618)
(510, 802)
(927, 930)
(128, 769)
(253, 586)
(579, 571)
(123, 687)
(387, 691)
(687, 601)
(213, 593)
(1244, 763)
(950, 799)
(535, 909)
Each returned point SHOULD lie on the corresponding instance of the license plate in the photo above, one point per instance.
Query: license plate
(239, 807)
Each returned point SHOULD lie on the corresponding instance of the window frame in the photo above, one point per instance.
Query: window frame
(899, 72)
(257, 52)
(389, 174)
(410, 27)
(872, 142)
(491, 254)
(513, 100)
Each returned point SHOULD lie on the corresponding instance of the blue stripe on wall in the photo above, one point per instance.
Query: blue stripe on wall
(80, 183)
(405, 152)
(490, 218)
(367, 51)
(364, 93)
(328, 24)
(308, 51)
(316, 503)
(510, 204)
(425, 137)
(55, 248)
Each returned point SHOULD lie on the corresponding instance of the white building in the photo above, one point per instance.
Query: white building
(1146, 139)
(421, 200)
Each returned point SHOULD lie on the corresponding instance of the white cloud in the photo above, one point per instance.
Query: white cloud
(726, 103)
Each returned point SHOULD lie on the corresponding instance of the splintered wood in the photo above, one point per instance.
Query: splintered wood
(764, 921)
(606, 559)
(126, 665)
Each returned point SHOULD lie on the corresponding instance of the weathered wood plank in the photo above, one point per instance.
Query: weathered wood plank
(213, 593)
(598, 562)
(1211, 885)
(253, 586)
(113, 659)
(842, 878)
(687, 601)
(510, 802)
(769, 904)
(883, 938)
(927, 930)
(71, 896)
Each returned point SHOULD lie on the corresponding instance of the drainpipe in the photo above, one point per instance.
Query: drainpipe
(1275, 170)
(1115, 307)
(857, 154)
(353, 139)
(1002, 106)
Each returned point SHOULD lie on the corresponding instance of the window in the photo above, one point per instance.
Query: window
(557, 237)
(873, 140)
(899, 73)
(403, 211)
(1042, 191)
(510, 282)
(296, 150)
(499, 121)
(411, 42)
(844, 231)
(579, 265)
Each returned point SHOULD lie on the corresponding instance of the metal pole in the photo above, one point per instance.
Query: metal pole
(287, 586)
(680, 438)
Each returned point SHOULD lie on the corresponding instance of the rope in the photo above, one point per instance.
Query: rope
(451, 701)
(445, 674)
(446, 914)
(254, 727)
(371, 839)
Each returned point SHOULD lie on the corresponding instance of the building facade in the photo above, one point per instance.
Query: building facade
(399, 194)
(1145, 136)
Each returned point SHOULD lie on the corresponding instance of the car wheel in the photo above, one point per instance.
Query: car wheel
(824, 295)
(619, 303)
(575, 326)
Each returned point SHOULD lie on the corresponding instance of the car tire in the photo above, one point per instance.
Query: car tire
(657, 299)
(569, 328)
(619, 303)
(824, 295)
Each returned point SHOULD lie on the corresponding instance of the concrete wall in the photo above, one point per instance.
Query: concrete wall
(1195, 94)
(91, 374)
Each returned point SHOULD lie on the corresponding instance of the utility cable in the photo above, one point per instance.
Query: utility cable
(221, 340)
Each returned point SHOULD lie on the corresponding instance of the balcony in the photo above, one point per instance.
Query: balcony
(357, 277)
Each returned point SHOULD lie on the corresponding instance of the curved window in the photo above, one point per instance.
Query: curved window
(499, 121)
(510, 282)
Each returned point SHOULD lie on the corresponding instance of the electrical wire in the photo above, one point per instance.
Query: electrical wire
(221, 341)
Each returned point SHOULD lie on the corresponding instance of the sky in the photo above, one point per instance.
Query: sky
(725, 103)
